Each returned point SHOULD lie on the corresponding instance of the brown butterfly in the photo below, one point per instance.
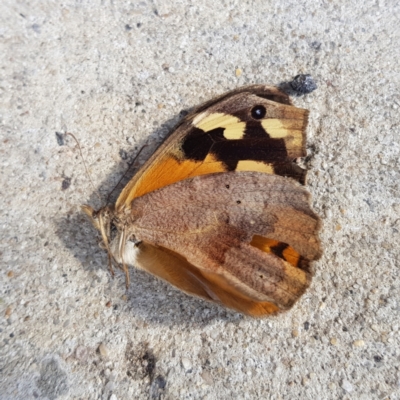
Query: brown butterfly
(219, 210)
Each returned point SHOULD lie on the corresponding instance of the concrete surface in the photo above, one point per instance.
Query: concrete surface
(116, 74)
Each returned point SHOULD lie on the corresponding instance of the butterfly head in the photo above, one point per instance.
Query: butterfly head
(101, 220)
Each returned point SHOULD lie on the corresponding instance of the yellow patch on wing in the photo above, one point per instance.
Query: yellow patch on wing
(274, 127)
(258, 166)
(291, 130)
(233, 127)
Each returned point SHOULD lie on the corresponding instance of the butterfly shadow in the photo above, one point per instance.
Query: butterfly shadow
(156, 301)
(148, 297)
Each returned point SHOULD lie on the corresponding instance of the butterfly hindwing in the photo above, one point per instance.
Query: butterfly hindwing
(211, 221)
(215, 287)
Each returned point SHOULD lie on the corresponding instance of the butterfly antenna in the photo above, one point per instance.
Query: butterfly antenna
(128, 169)
(84, 163)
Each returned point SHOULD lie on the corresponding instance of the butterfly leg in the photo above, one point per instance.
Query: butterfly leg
(126, 271)
(110, 266)
(121, 249)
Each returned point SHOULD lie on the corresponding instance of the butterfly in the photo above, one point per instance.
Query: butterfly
(220, 210)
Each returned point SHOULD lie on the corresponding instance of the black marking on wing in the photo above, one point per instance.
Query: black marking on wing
(304, 264)
(279, 249)
(256, 145)
(197, 144)
(256, 149)
(254, 129)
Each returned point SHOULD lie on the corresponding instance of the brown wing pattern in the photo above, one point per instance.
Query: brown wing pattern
(222, 232)
(175, 269)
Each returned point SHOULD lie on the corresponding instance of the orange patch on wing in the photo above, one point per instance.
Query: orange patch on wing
(267, 245)
(291, 256)
(234, 298)
(261, 309)
(263, 243)
(164, 172)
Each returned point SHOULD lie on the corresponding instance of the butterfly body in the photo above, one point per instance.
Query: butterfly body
(219, 210)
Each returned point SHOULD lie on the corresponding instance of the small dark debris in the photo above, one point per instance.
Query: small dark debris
(303, 84)
(66, 183)
(316, 45)
(238, 202)
(157, 388)
(227, 186)
(123, 154)
(60, 138)
(141, 361)
(183, 113)
(378, 358)
(370, 204)
(345, 329)
(36, 28)
(128, 27)
(306, 326)
(161, 382)
(151, 363)
(139, 24)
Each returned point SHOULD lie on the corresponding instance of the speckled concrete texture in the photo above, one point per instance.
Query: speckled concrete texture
(117, 74)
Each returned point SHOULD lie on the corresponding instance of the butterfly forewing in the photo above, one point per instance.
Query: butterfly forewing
(228, 136)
